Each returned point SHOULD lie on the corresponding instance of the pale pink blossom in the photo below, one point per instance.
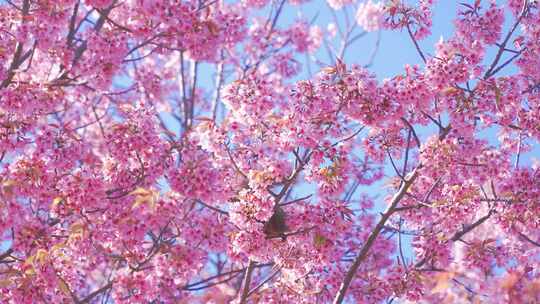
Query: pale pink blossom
(331, 28)
(338, 4)
(370, 15)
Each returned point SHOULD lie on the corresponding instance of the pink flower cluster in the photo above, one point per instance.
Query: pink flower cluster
(370, 15)
(222, 152)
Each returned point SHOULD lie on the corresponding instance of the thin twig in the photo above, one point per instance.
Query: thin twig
(6, 254)
(219, 83)
(516, 165)
(458, 235)
(295, 200)
(261, 284)
(529, 239)
(405, 162)
(92, 295)
(411, 128)
(416, 43)
(502, 47)
(213, 208)
(394, 165)
(400, 246)
(246, 282)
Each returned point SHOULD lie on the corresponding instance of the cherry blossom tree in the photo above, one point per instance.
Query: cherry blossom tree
(160, 151)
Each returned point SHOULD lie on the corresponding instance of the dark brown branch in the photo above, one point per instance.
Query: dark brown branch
(192, 285)
(275, 19)
(340, 296)
(394, 165)
(246, 282)
(416, 43)
(289, 181)
(407, 150)
(13, 5)
(502, 47)
(507, 62)
(95, 293)
(107, 18)
(17, 60)
(518, 153)
(213, 208)
(433, 120)
(72, 28)
(348, 137)
(261, 284)
(458, 235)
(411, 128)
(6, 254)
(234, 275)
(528, 239)
(234, 163)
(104, 16)
(400, 245)
(296, 200)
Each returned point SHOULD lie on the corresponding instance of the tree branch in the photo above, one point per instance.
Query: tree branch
(247, 282)
(528, 239)
(470, 227)
(95, 293)
(416, 43)
(340, 296)
(490, 72)
(261, 284)
(6, 254)
(16, 61)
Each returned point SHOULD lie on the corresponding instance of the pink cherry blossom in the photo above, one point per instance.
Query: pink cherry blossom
(370, 15)
(247, 152)
(338, 4)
